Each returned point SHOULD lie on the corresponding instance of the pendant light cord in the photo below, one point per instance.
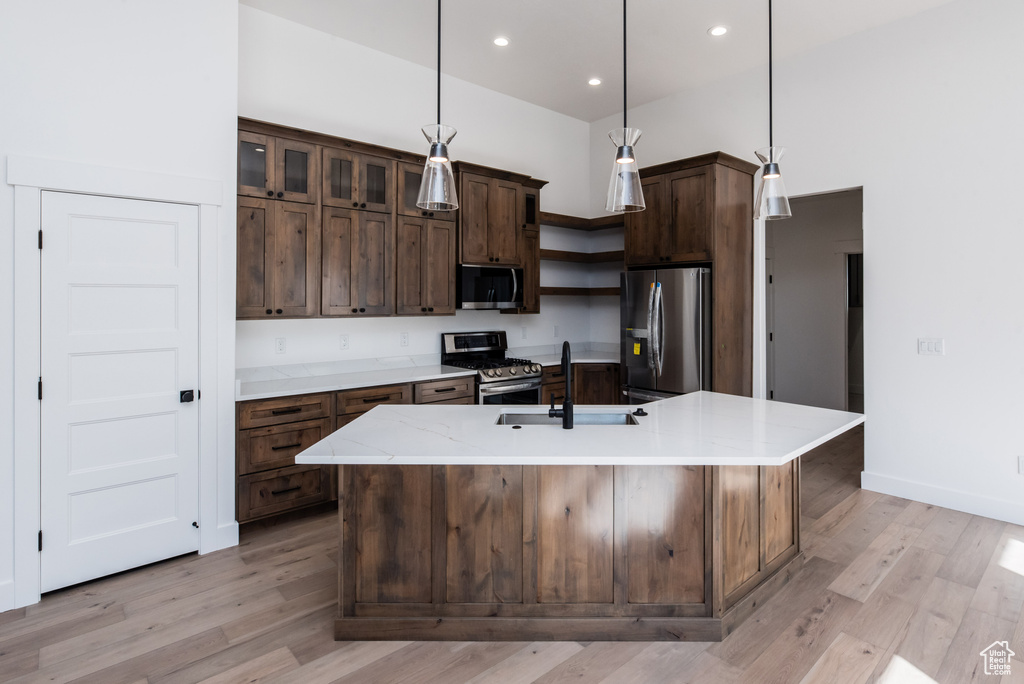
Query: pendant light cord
(439, 62)
(624, 63)
(770, 139)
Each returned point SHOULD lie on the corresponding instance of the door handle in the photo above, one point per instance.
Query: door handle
(186, 396)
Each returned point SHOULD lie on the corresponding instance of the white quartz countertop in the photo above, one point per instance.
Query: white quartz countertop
(702, 428)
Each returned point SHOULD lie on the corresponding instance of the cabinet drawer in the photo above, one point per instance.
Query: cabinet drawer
(275, 446)
(443, 390)
(280, 490)
(552, 374)
(263, 412)
(358, 401)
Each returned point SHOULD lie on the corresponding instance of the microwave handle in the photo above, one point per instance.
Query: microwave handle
(515, 284)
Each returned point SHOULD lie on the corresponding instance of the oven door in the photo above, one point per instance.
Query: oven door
(513, 392)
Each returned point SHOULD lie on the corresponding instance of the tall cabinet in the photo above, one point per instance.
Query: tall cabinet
(700, 212)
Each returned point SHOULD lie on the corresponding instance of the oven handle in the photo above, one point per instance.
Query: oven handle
(490, 390)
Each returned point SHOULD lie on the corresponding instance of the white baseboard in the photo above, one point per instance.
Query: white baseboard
(7, 596)
(998, 509)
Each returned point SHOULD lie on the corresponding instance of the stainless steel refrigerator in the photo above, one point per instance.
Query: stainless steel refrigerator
(665, 320)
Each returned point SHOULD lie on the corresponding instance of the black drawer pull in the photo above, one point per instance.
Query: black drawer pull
(286, 446)
(369, 400)
(445, 389)
(283, 412)
(279, 492)
(557, 375)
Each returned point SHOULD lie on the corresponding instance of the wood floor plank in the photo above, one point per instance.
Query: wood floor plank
(967, 560)
(659, 662)
(963, 663)
(845, 546)
(868, 569)
(257, 669)
(912, 575)
(349, 658)
(269, 619)
(529, 664)
(158, 662)
(935, 622)
(942, 532)
(918, 515)
(1001, 588)
(475, 658)
(825, 528)
(881, 620)
(593, 663)
(847, 659)
(802, 642)
(56, 632)
(16, 665)
(707, 669)
(408, 665)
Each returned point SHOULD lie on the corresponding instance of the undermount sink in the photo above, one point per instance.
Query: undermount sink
(579, 418)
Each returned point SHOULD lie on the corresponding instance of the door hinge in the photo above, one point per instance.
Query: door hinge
(771, 394)
(40, 389)
(40, 239)
(771, 279)
(771, 337)
(40, 540)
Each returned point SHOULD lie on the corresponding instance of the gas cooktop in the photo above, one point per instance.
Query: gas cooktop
(485, 353)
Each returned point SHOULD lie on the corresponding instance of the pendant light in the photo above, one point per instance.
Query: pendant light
(772, 202)
(624, 190)
(437, 189)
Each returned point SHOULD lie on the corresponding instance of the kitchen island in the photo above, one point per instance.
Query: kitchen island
(677, 527)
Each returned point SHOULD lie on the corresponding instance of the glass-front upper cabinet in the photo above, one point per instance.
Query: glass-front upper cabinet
(357, 181)
(277, 168)
(409, 178)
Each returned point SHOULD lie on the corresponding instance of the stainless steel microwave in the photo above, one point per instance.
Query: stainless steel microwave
(489, 287)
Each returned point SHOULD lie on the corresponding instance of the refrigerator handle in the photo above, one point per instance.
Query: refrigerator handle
(661, 329)
(650, 329)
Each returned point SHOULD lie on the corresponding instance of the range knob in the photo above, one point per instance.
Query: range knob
(535, 368)
(489, 373)
(511, 371)
(498, 372)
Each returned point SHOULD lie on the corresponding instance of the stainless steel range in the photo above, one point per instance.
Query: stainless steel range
(499, 379)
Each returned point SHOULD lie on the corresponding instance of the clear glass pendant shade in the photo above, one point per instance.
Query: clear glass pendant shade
(624, 191)
(437, 189)
(772, 202)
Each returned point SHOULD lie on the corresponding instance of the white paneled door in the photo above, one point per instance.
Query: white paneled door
(120, 342)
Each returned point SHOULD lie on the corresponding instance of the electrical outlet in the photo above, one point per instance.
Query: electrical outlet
(404, 339)
(931, 346)
(523, 329)
(343, 341)
(280, 345)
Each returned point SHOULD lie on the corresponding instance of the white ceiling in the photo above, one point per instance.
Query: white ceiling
(557, 45)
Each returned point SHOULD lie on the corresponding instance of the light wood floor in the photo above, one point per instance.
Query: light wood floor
(893, 591)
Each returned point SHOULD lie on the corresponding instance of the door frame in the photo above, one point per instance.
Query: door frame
(30, 176)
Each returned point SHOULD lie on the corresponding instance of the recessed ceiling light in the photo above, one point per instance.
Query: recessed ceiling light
(717, 31)
(594, 81)
(501, 41)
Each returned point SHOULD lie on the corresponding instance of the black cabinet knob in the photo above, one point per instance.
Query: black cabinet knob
(363, 205)
(355, 204)
(362, 310)
(430, 308)
(425, 213)
(280, 311)
(491, 258)
(431, 214)
(423, 308)
(524, 225)
(270, 193)
(280, 194)
(355, 310)
(270, 311)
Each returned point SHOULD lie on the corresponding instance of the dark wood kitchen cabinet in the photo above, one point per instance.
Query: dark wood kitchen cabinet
(270, 167)
(270, 433)
(278, 254)
(491, 217)
(595, 383)
(357, 181)
(409, 178)
(552, 385)
(457, 390)
(355, 402)
(425, 266)
(358, 263)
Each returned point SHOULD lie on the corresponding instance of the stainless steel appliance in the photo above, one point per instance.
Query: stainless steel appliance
(489, 287)
(499, 380)
(665, 344)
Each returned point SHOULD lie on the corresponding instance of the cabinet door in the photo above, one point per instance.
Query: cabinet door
(645, 230)
(296, 171)
(374, 267)
(339, 243)
(410, 236)
(531, 272)
(409, 178)
(255, 165)
(439, 268)
(425, 267)
(340, 179)
(473, 215)
(376, 184)
(692, 194)
(254, 272)
(296, 269)
(595, 383)
(503, 222)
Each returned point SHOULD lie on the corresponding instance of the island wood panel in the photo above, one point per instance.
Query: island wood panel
(484, 534)
(392, 542)
(741, 525)
(779, 532)
(575, 520)
(665, 545)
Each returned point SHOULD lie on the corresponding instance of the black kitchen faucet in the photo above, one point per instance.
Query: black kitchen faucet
(565, 413)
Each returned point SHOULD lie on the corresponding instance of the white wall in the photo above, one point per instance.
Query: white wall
(293, 75)
(810, 297)
(140, 86)
(924, 114)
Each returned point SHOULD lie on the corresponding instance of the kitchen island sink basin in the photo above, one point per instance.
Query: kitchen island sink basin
(579, 418)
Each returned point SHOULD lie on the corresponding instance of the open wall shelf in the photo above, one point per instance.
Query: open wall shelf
(582, 257)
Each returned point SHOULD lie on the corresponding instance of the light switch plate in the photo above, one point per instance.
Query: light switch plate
(931, 346)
